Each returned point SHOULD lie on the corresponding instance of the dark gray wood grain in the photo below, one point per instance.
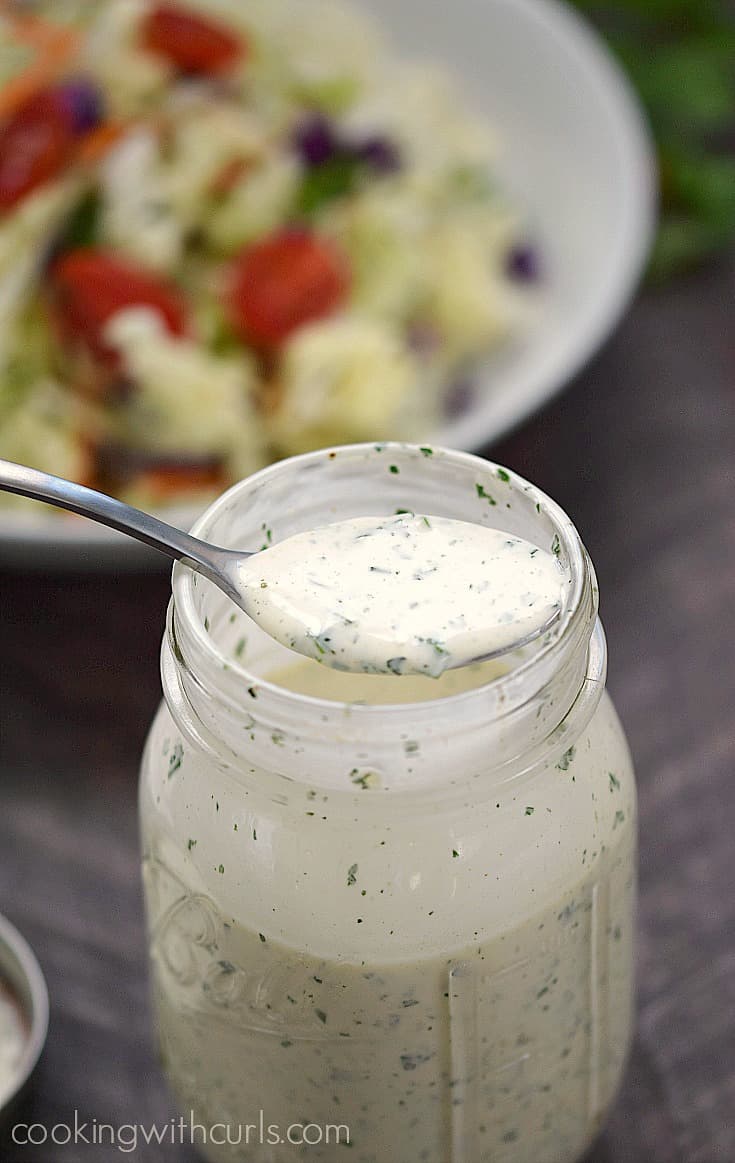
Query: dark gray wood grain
(640, 453)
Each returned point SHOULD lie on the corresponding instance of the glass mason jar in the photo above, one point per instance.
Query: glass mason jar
(411, 923)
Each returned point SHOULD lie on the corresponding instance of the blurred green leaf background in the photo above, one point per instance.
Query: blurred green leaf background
(680, 55)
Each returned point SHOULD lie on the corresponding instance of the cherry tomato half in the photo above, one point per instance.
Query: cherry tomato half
(283, 282)
(36, 142)
(90, 286)
(192, 42)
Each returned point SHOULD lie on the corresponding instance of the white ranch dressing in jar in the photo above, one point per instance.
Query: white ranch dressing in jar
(414, 919)
(402, 594)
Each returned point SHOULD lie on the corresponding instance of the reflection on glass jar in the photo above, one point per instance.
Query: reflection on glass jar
(398, 909)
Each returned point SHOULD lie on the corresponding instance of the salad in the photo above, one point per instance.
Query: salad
(231, 232)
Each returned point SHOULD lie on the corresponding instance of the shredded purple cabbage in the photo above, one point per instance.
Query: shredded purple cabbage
(459, 397)
(380, 154)
(83, 101)
(522, 264)
(423, 338)
(316, 141)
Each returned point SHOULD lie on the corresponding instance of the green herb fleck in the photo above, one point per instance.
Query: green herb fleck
(362, 780)
(619, 818)
(503, 475)
(83, 225)
(191, 844)
(427, 451)
(394, 468)
(566, 759)
(556, 546)
(262, 937)
(322, 184)
(174, 759)
(481, 492)
(470, 182)
(241, 643)
(614, 781)
(529, 811)
(352, 875)
(455, 853)
(322, 1016)
(221, 869)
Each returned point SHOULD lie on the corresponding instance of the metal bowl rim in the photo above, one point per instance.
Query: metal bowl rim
(34, 984)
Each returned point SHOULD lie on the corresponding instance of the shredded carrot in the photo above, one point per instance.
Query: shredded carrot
(172, 482)
(96, 144)
(54, 48)
(229, 176)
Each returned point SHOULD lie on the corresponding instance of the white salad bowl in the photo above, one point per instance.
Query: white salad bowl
(574, 156)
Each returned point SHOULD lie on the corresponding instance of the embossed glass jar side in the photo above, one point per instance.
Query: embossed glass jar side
(415, 921)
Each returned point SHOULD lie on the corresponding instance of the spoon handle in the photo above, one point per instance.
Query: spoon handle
(42, 486)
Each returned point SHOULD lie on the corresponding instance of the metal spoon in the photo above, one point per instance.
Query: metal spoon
(221, 566)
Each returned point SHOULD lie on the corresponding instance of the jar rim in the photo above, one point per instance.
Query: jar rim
(187, 630)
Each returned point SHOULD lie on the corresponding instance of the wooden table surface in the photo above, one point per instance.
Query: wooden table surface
(640, 453)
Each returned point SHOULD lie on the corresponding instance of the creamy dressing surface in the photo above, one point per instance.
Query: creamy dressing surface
(13, 1039)
(406, 594)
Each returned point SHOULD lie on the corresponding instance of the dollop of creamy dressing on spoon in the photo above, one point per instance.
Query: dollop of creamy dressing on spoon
(404, 594)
